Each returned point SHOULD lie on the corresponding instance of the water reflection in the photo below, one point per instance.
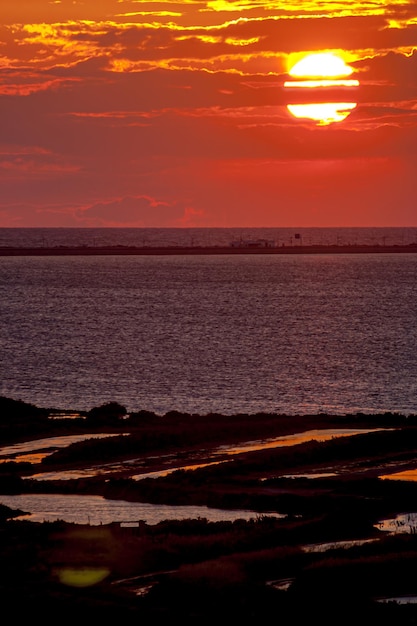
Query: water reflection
(166, 472)
(294, 439)
(41, 448)
(103, 470)
(409, 475)
(336, 545)
(312, 475)
(96, 510)
(399, 600)
(171, 462)
(403, 523)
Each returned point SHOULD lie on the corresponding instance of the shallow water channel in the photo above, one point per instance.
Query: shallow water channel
(35, 451)
(97, 510)
(401, 523)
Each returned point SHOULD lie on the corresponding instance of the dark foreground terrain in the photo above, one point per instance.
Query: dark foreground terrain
(278, 569)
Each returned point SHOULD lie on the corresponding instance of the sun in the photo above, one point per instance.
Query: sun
(315, 74)
(321, 65)
(323, 113)
(321, 69)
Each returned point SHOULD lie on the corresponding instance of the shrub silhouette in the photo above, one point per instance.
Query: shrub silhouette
(106, 413)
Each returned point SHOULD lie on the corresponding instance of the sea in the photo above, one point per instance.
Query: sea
(289, 334)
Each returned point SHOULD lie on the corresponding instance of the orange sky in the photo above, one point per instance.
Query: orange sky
(164, 113)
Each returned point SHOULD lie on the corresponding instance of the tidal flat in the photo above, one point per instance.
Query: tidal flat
(319, 545)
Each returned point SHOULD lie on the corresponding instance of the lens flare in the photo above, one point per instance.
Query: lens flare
(82, 576)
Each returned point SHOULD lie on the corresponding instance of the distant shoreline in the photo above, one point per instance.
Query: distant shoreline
(204, 250)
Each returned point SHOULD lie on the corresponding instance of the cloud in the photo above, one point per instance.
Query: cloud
(192, 218)
(23, 163)
(129, 211)
(391, 68)
(243, 42)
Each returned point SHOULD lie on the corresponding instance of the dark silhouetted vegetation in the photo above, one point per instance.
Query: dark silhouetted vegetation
(194, 571)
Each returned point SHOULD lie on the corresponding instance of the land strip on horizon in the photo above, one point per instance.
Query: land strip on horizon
(194, 250)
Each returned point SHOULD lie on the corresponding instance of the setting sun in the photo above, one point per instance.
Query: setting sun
(318, 71)
(323, 113)
(321, 69)
(321, 65)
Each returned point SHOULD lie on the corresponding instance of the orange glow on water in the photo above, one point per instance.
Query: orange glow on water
(408, 475)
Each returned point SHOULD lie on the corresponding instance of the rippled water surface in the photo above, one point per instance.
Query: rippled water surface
(229, 334)
(96, 510)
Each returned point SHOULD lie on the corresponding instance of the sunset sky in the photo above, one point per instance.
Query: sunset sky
(173, 114)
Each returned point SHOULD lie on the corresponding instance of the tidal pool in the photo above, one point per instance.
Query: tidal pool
(96, 510)
(311, 475)
(210, 455)
(294, 439)
(399, 600)
(408, 475)
(36, 450)
(402, 523)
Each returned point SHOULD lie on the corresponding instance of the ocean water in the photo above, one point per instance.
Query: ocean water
(287, 334)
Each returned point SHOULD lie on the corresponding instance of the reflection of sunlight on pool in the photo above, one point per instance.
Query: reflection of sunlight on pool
(409, 475)
(97, 510)
(292, 440)
(74, 474)
(403, 523)
(31, 457)
(226, 450)
(311, 475)
(110, 469)
(66, 415)
(36, 450)
(335, 545)
(185, 468)
(399, 600)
